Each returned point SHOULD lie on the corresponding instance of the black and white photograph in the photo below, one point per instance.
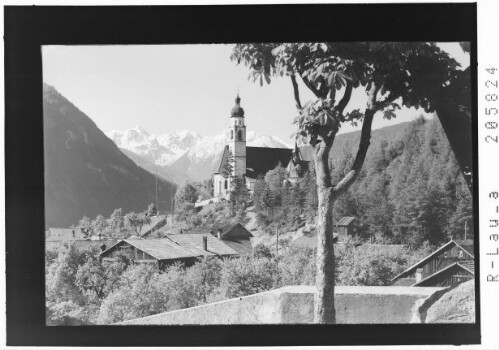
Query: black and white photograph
(174, 193)
(209, 185)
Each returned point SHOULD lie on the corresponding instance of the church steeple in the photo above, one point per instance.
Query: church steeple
(237, 138)
(237, 111)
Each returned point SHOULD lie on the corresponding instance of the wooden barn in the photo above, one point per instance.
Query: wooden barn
(345, 228)
(452, 263)
(185, 248)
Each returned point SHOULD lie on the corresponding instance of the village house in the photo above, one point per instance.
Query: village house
(344, 229)
(252, 162)
(452, 263)
(187, 248)
(235, 236)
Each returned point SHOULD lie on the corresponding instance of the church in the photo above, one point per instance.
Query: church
(249, 162)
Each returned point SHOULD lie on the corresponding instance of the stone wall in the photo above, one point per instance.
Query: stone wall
(294, 304)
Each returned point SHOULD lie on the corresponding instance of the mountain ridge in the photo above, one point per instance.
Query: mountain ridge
(183, 151)
(85, 172)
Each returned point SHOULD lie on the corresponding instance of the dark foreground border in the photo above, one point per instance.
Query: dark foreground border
(27, 28)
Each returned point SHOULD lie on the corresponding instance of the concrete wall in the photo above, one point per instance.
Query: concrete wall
(294, 304)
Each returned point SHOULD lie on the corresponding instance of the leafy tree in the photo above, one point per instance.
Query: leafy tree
(228, 168)
(205, 277)
(463, 215)
(370, 267)
(151, 292)
(186, 194)
(136, 221)
(412, 73)
(297, 267)
(239, 195)
(275, 178)
(258, 190)
(100, 225)
(67, 313)
(453, 109)
(97, 279)
(60, 278)
(66, 303)
(246, 275)
(85, 225)
(117, 222)
(152, 210)
(262, 251)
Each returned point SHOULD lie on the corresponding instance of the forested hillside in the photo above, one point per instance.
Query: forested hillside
(410, 189)
(85, 172)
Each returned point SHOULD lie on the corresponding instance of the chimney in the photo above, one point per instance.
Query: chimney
(205, 243)
(419, 274)
(219, 234)
(102, 247)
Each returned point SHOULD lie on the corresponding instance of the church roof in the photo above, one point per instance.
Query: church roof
(222, 168)
(259, 160)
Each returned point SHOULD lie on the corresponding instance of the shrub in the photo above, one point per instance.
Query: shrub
(262, 251)
(247, 275)
(369, 267)
(297, 267)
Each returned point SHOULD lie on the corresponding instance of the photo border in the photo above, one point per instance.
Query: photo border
(27, 28)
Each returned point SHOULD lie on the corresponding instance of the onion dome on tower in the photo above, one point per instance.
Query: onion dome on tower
(237, 111)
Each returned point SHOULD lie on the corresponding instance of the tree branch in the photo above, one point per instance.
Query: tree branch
(332, 95)
(321, 159)
(345, 99)
(310, 86)
(365, 141)
(380, 105)
(296, 92)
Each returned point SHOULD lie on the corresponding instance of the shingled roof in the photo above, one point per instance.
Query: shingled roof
(259, 160)
(234, 231)
(466, 248)
(178, 246)
(453, 267)
(345, 221)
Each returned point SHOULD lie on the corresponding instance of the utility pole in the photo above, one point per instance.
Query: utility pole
(156, 173)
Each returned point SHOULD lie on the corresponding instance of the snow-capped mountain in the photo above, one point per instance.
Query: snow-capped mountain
(185, 151)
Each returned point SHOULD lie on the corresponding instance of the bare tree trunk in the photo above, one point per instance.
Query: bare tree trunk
(324, 311)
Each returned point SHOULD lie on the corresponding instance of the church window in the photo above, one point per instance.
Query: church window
(232, 134)
(226, 184)
(240, 135)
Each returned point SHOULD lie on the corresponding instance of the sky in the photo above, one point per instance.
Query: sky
(164, 88)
